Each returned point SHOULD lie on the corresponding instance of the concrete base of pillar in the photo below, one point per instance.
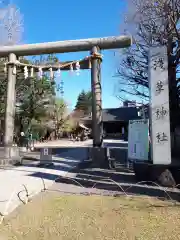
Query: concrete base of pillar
(10, 156)
(98, 156)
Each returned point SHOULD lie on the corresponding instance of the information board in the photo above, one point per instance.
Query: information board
(138, 139)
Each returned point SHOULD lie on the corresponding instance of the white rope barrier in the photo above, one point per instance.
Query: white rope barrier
(122, 190)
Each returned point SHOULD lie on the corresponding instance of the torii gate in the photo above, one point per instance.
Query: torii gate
(94, 45)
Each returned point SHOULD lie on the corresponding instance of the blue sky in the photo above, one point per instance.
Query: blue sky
(65, 20)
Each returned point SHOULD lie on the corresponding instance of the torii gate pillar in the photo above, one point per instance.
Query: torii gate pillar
(10, 106)
(97, 128)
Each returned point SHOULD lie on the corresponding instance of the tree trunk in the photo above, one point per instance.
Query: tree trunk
(173, 91)
(173, 98)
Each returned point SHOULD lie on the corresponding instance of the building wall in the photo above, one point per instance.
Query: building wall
(115, 127)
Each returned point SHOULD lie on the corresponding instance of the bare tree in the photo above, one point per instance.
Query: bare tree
(152, 23)
(11, 29)
(11, 25)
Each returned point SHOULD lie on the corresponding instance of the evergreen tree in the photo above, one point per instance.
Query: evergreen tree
(84, 102)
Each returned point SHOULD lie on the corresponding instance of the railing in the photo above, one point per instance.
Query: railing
(124, 189)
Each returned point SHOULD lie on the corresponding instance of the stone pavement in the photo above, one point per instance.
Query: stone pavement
(88, 143)
(14, 181)
(64, 143)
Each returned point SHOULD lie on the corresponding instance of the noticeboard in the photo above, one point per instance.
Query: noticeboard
(138, 140)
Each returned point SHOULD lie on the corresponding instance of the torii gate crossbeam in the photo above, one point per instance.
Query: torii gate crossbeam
(66, 46)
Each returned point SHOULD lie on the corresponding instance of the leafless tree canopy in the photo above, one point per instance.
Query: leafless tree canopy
(151, 22)
(11, 25)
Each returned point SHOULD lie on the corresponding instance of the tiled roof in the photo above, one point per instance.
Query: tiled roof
(118, 114)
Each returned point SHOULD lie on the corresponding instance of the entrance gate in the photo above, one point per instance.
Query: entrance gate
(93, 45)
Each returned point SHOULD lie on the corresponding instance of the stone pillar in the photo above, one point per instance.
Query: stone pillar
(45, 157)
(160, 119)
(10, 105)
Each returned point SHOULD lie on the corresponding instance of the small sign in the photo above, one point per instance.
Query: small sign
(46, 152)
(46, 156)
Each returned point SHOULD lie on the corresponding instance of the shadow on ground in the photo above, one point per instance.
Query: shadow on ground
(120, 182)
(82, 153)
(73, 153)
(116, 144)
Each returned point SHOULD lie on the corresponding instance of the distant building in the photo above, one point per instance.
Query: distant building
(115, 120)
(128, 103)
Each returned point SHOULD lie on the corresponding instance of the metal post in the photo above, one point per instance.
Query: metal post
(96, 98)
(10, 105)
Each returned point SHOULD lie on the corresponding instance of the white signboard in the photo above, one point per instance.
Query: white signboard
(159, 93)
(138, 139)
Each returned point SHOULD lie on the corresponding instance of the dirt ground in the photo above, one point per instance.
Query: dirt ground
(51, 216)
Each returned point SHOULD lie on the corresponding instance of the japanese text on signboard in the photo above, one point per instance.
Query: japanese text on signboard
(160, 112)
